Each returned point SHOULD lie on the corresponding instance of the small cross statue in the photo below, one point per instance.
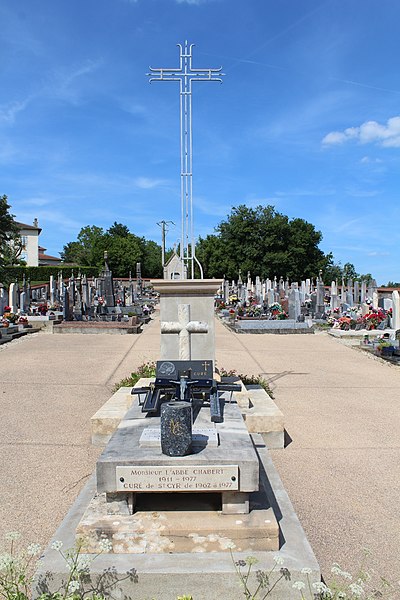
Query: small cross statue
(184, 327)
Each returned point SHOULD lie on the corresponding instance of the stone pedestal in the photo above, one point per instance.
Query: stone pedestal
(199, 295)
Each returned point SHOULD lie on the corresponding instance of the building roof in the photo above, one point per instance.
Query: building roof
(48, 257)
(25, 226)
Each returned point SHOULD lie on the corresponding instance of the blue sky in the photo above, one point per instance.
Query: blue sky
(307, 118)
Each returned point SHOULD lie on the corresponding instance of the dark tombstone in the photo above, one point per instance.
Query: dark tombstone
(107, 284)
(139, 278)
(66, 306)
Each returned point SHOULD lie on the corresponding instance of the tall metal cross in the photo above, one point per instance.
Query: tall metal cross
(186, 74)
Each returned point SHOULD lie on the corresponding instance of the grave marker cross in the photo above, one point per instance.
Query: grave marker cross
(184, 327)
(186, 74)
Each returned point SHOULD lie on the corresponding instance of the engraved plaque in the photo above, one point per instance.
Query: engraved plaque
(151, 437)
(184, 478)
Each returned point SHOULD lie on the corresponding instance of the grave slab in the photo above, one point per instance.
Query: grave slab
(124, 450)
(202, 574)
(188, 524)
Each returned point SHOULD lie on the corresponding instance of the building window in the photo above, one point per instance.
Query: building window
(24, 240)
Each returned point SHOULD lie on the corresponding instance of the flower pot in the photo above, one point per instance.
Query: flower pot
(387, 351)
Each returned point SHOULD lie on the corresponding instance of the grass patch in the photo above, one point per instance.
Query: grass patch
(148, 369)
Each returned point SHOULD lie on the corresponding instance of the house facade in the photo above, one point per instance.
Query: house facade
(30, 243)
(32, 253)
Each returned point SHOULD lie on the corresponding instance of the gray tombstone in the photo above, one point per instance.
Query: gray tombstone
(226, 290)
(294, 304)
(356, 292)
(349, 298)
(23, 301)
(363, 291)
(3, 299)
(270, 297)
(334, 301)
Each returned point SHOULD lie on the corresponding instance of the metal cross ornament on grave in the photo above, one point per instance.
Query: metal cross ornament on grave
(184, 327)
(185, 74)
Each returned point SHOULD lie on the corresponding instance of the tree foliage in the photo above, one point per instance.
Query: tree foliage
(124, 250)
(10, 240)
(264, 242)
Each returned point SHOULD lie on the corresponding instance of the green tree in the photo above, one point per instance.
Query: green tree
(118, 230)
(123, 253)
(151, 261)
(349, 272)
(124, 250)
(10, 241)
(264, 242)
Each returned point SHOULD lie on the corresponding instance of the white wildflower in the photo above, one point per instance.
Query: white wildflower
(5, 560)
(33, 549)
(306, 571)
(105, 545)
(321, 588)
(278, 559)
(341, 595)
(83, 564)
(356, 589)
(299, 585)
(57, 545)
(73, 586)
(12, 536)
(336, 570)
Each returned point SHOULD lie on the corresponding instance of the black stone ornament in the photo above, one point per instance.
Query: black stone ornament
(176, 428)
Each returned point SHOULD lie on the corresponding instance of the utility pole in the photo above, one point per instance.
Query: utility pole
(185, 74)
(164, 230)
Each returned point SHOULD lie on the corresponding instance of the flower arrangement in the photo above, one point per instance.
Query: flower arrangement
(277, 311)
(10, 317)
(42, 308)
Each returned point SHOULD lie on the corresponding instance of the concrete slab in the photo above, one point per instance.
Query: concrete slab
(235, 448)
(176, 523)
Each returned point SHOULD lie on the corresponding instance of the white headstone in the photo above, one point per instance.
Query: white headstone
(12, 297)
(364, 309)
(387, 303)
(396, 310)
(375, 299)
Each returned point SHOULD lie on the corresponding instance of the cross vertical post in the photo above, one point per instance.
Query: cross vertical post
(185, 74)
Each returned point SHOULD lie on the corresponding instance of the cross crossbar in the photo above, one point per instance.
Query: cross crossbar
(184, 327)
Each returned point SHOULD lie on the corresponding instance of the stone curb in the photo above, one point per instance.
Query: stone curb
(259, 411)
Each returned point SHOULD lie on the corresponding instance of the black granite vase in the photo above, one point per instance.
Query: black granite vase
(176, 428)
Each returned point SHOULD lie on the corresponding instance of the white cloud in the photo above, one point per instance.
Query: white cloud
(366, 160)
(369, 132)
(197, 2)
(9, 111)
(145, 183)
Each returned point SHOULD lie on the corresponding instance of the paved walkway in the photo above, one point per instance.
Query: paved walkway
(342, 413)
